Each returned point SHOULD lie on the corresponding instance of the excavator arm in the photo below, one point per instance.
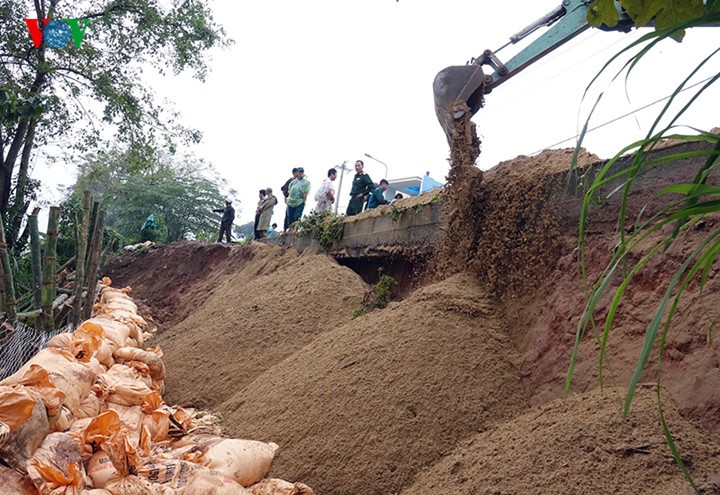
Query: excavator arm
(459, 88)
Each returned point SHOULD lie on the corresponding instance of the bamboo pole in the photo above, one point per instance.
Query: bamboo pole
(8, 286)
(93, 266)
(81, 255)
(39, 312)
(48, 269)
(90, 233)
(35, 259)
(65, 311)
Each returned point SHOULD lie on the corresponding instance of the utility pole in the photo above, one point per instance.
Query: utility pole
(343, 169)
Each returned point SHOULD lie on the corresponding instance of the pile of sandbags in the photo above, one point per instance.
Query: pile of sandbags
(85, 416)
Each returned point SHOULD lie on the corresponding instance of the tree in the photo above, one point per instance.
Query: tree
(180, 192)
(245, 231)
(72, 93)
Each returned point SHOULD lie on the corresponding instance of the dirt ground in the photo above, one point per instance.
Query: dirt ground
(457, 388)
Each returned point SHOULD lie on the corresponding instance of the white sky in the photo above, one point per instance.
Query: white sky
(316, 82)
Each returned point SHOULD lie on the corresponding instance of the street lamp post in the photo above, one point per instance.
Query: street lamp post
(379, 161)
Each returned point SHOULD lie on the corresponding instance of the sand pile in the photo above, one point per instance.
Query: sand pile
(506, 229)
(460, 205)
(274, 303)
(366, 406)
(577, 445)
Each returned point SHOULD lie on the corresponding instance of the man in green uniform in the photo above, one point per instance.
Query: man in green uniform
(299, 189)
(362, 186)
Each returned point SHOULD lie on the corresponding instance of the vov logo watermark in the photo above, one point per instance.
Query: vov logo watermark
(57, 33)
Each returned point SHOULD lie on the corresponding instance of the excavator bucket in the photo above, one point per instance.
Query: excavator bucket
(455, 87)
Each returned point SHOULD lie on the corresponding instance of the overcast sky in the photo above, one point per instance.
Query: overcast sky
(314, 83)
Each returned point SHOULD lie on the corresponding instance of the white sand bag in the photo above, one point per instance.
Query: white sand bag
(70, 376)
(95, 366)
(171, 473)
(119, 304)
(205, 482)
(115, 331)
(105, 352)
(274, 486)
(56, 467)
(100, 469)
(89, 407)
(63, 420)
(151, 359)
(132, 417)
(121, 385)
(245, 461)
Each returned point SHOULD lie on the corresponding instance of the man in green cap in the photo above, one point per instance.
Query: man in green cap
(361, 188)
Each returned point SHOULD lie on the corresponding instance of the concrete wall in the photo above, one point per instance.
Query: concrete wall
(416, 228)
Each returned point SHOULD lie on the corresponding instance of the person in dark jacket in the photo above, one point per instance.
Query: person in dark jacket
(377, 197)
(227, 220)
(361, 188)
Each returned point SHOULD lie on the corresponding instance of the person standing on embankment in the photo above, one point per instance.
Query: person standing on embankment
(362, 186)
(227, 220)
(265, 210)
(299, 189)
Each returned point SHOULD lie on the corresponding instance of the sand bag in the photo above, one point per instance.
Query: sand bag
(94, 365)
(100, 469)
(119, 304)
(13, 482)
(171, 473)
(63, 420)
(83, 343)
(150, 358)
(205, 482)
(74, 379)
(124, 457)
(89, 407)
(245, 461)
(38, 381)
(105, 352)
(131, 418)
(115, 331)
(21, 443)
(56, 466)
(108, 294)
(274, 486)
(121, 385)
(157, 424)
(16, 406)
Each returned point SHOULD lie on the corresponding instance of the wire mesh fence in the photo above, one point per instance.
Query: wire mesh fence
(19, 342)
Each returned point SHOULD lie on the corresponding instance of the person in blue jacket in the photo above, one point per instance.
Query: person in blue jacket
(377, 197)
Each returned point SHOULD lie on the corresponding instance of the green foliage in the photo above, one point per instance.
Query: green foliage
(323, 226)
(380, 295)
(245, 231)
(681, 208)
(124, 37)
(395, 213)
(382, 290)
(603, 12)
(664, 13)
(181, 193)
